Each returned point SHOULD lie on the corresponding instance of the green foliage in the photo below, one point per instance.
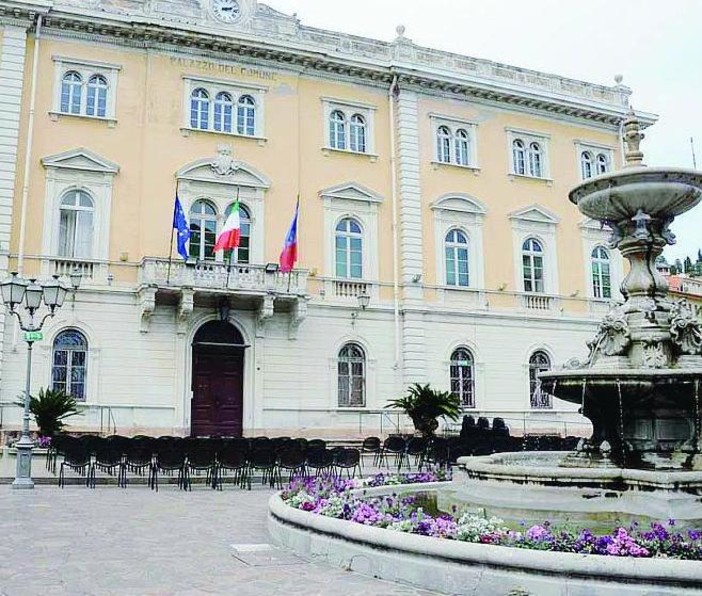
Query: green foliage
(50, 408)
(424, 405)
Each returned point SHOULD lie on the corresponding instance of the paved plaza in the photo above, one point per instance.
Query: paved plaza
(110, 541)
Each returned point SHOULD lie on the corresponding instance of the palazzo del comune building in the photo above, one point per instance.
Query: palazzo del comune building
(436, 240)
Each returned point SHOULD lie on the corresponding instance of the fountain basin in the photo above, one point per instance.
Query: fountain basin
(650, 418)
(534, 487)
(452, 567)
(658, 192)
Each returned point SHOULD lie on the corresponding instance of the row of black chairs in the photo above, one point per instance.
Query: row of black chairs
(240, 459)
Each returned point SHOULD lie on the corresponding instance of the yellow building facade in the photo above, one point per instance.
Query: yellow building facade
(435, 240)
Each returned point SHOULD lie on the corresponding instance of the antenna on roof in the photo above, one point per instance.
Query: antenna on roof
(692, 148)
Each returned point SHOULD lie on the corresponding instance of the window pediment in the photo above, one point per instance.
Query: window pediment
(223, 169)
(535, 214)
(81, 159)
(461, 203)
(351, 191)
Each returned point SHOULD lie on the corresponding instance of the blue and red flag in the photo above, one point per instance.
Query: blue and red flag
(288, 256)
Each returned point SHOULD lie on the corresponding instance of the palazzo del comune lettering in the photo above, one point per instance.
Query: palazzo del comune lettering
(229, 69)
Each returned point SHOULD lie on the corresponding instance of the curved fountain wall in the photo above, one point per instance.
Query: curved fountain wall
(452, 567)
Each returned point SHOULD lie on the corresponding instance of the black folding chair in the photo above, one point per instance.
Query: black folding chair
(264, 461)
(319, 460)
(168, 461)
(396, 446)
(371, 445)
(232, 458)
(108, 459)
(348, 459)
(76, 457)
(292, 461)
(201, 458)
(138, 458)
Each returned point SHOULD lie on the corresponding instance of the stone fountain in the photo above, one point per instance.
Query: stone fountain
(640, 384)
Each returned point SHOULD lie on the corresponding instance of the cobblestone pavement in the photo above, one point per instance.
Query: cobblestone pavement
(110, 541)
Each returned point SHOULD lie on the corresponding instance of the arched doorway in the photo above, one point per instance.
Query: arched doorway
(217, 381)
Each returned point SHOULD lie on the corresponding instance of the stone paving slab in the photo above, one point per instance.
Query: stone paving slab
(109, 541)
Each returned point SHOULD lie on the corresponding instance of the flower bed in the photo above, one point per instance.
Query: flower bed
(344, 499)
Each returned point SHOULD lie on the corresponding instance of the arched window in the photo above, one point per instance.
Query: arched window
(601, 278)
(586, 164)
(533, 265)
(519, 156)
(462, 147)
(337, 130)
(223, 110)
(456, 246)
(76, 225)
(602, 163)
(199, 109)
(242, 253)
(71, 87)
(203, 230)
(357, 133)
(97, 96)
(69, 363)
(539, 362)
(443, 144)
(535, 160)
(349, 249)
(352, 376)
(246, 116)
(463, 376)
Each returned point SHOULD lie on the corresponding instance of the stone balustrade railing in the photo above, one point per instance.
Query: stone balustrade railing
(213, 275)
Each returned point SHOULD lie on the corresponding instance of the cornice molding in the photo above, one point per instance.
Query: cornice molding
(318, 51)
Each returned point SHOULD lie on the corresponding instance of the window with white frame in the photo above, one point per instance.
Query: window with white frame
(528, 153)
(454, 141)
(456, 250)
(70, 363)
(76, 223)
(203, 230)
(84, 88)
(593, 159)
(223, 107)
(351, 374)
(462, 376)
(601, 276)
(349, 249)
(533, 265)
(539, 362)
(349, 126)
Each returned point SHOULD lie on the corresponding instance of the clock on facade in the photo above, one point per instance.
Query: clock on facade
(228, 11)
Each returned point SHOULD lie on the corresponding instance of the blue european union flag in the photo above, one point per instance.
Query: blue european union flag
(181, 226)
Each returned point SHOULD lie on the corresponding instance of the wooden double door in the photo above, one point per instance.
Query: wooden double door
(217, 381)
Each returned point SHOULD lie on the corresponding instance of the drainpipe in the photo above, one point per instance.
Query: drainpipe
(28, 148)
(395, 251)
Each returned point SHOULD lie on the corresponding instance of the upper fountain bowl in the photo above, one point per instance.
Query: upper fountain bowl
(659, 192)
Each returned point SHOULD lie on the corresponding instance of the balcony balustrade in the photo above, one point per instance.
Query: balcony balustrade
(210, 275)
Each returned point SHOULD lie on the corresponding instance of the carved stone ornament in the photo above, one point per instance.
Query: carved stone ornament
(685, 330)
(654, 355)
(632, 137)
(613, 337)
(616, 236)
(224, 164)
(666, 233)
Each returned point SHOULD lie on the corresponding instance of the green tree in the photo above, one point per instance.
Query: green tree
(50, 408)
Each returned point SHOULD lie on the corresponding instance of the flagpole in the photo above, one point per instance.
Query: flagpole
(231, 250)
(170, 245)
(297, 223)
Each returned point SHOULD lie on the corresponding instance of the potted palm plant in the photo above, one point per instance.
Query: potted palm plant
(424, 405)
(50, 408)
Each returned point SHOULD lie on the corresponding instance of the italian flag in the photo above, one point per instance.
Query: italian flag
(229, 237)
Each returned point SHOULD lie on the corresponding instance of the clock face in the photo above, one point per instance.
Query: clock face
(228, 11)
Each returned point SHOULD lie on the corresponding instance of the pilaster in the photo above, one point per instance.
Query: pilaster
(411, 253)
(12, 57)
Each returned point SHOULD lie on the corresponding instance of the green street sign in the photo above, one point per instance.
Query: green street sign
(33, 336)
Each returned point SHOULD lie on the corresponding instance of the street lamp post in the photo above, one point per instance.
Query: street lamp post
(17, 292)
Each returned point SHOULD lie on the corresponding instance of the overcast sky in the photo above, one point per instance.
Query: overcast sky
(655, 44)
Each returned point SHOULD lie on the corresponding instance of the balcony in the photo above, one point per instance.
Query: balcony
(91, 271)
(206, 275)
(539, 303)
